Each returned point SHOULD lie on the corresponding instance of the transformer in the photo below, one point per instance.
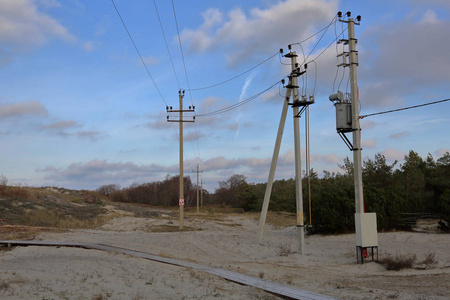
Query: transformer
(343, 116)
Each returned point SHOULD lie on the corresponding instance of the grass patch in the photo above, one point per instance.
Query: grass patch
(19, 232)
(45, 218)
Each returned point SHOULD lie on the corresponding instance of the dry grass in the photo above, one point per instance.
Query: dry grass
(398, 262)
(408, 261)
(284, 249)
(53, 219)
(19, 232)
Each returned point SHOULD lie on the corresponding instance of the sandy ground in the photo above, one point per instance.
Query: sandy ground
(327, 267)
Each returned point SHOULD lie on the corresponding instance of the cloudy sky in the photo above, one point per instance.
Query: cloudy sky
(79, 109)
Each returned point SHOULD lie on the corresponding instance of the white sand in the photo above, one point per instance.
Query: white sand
(328, 267)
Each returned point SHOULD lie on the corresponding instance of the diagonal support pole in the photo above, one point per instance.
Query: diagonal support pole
(273, 165)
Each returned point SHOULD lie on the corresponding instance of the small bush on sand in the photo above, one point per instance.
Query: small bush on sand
(408, 261)
(398, 262)
(284, 249)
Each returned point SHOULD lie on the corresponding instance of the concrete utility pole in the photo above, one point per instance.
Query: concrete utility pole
(292, 89)
(180, 120)
(357, 161)
(347, 120)
(197, 187)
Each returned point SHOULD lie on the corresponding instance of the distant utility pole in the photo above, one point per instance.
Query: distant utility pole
(181, 121)
(201, 194)
(197, 187)
(347, 120)
(291, 89)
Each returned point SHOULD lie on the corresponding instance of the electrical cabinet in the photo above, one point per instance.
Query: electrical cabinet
(366, 230)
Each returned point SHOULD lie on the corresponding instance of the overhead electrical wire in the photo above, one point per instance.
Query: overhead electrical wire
(404, 108)
(137, 50)
(237, 76)
(185, 72)
(181, 50)
(167, 46)
(240, 103)
(328, 46)
(313, 35)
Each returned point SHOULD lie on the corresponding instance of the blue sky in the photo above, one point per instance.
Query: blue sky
(79, 110)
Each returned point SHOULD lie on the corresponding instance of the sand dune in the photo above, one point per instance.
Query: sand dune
(328, 266)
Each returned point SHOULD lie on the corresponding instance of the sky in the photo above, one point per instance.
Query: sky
(81, 108)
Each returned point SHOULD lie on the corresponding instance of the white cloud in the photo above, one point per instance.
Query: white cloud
(429, 17)
(367, 124)
(23, 26)
(89, 134)
(393, 154)
(241, 33)
(88, 46)
(98, 172)
(61, 125)
(369, 143)
(399, 135)
(441, 151)
(22, 109)
(412, 55)
(150, 60)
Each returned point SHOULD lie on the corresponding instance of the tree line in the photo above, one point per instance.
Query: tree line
(159, 193)
(417, 186)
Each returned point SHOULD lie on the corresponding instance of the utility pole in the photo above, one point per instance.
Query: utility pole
(347, 120)
(356, 129)
(197, 187)
(292, 89)
(201, 194)
(180, 121)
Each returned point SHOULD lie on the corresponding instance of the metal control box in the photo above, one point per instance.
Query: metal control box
(343, 116)
(366, 230)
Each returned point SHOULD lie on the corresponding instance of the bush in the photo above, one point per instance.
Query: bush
(398, 262)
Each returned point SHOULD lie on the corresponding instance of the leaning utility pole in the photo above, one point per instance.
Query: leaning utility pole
(197, 187)
(292, 89)
(180, 121)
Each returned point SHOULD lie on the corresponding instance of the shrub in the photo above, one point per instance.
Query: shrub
(398, 262)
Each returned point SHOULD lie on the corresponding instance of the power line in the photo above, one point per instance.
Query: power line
(236, 105)
(185, 72)
(404, 108)
(181, 50)
(320, 39)
(328, 46)
(333, 21)
(140, 56)
(167, 46)
(228, 80)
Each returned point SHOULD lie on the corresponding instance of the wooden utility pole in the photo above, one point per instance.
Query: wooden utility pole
(180, 121)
